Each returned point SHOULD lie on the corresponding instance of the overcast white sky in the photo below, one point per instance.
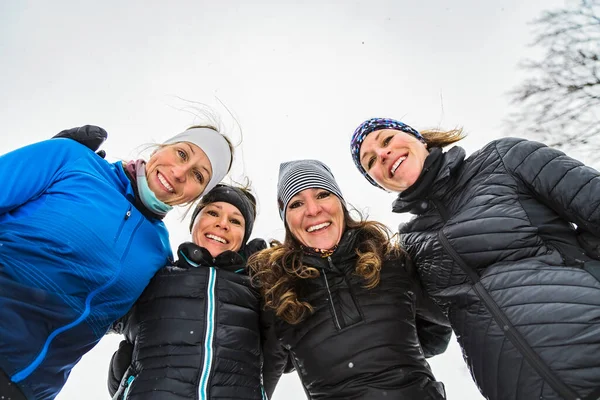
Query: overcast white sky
(298, 75)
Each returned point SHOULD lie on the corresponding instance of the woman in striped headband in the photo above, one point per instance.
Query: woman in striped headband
(494, 244)
(341, 305)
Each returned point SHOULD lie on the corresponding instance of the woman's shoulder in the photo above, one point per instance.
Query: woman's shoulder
(59, 146)
(514, 145)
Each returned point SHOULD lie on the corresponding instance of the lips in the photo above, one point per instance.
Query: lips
(165, 183)
(216, 238)
(397, 164)
(318, 227)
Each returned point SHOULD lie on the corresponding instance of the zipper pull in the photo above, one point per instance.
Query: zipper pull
(330, 263)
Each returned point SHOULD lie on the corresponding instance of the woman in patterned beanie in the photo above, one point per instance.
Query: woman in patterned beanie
(494, 245)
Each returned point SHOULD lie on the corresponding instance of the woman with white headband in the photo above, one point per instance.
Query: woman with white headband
(80, 239)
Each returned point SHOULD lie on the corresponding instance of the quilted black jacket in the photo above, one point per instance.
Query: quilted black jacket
(359, 343)
(495, 246)
(193, 334)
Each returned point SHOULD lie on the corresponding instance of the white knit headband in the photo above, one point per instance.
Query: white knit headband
(215, 147)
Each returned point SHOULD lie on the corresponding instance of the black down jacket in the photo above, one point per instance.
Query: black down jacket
(494, 246)
(193, 334)
(358, 343)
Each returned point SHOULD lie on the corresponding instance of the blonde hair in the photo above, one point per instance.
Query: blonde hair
(279, 273)
(442, 138)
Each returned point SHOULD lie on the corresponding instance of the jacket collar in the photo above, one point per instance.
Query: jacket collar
(344, 255)
(438, 169)
(193, 256)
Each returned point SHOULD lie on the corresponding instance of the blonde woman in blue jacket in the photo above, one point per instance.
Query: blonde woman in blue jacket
(80, 239)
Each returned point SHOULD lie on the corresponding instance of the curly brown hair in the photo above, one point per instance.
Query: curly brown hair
(278, 272)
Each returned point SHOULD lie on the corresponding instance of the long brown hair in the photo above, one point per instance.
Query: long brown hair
(442, 138)
(278, 272)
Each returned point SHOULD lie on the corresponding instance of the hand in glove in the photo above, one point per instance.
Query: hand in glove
(119, 363)
(589, 243)
(253, 246)
(90, 136)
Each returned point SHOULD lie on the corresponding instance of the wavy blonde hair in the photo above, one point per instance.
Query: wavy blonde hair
(279, 273)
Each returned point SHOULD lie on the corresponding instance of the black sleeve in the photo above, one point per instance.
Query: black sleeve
(433, 328)
(119, 363)
(276, 359)
(562, 183)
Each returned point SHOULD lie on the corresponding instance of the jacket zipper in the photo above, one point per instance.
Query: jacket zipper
(297, 368)
(337, 321)
(501, 319)
(122, 225)
(129, 382)
(209, 335)
(133, 232)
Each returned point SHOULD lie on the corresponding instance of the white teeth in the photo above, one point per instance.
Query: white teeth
(165, 183)
(317, 227)
(217, 238)
(397, 164)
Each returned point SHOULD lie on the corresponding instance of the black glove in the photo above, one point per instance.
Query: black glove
(589, 243)
(119, 363)
(90, 136)
(253, 246)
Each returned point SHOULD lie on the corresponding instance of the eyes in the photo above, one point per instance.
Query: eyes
(183, 155)
(232, 220)
(320, 195)
(373, 158)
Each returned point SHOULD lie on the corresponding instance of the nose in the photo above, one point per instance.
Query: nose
(383, 154)
(223, 223)
(312, 207)
(179, 172)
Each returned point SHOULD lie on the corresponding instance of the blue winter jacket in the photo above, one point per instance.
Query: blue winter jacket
(75, 254)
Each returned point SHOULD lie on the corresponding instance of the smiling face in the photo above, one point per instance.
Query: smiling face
(315, 217)
(178, 173)
(394, 159)
(219, 227)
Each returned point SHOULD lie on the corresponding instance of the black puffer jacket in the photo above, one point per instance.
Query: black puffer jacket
(193, 334)
(358, 343)
(494, 245)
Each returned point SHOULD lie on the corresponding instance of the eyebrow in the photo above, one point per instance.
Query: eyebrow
(194, 153)
(191, 148)
(233, 213)
(376, 139)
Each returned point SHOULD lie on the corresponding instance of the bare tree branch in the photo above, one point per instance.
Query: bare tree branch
(559, 101)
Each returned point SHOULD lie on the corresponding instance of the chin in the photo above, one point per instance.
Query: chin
(213, 252)
(324, 245)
